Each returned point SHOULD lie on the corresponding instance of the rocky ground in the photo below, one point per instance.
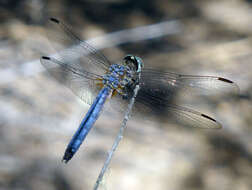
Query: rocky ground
(38, 115)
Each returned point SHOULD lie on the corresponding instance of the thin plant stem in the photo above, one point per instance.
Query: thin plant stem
(118, 138)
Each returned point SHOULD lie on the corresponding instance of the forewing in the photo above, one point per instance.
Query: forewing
(79, 66)
(78, 52)
(189, 84)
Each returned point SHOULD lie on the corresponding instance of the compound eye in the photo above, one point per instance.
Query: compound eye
(130, 58)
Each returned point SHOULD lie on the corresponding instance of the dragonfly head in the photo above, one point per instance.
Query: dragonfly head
(136, 61)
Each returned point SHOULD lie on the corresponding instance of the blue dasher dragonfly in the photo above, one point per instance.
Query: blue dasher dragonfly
(95, 79)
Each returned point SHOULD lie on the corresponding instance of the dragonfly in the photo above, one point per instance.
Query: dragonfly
(98, 81)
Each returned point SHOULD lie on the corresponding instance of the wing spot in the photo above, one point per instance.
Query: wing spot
(47, 58)
(54, 20)
(206, 116)
(225, 80)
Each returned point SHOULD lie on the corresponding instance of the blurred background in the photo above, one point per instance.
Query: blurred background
(38, 116)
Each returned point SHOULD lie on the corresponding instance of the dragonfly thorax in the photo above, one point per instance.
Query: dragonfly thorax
(118, 77)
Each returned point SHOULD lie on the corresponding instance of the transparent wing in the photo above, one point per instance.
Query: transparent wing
(158, 90)
(81, 82)
(154, 103)
(150, 102)
(90, 58)
(80, 66)
(189, 117)
(187, 84)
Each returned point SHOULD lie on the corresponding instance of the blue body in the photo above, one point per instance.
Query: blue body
(115, 80)
(86, 124)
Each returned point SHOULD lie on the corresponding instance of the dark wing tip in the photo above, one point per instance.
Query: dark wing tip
(55, 20)
(208, 117)
(47, 58)
(218, 126)
(236, 87)
(225, 80)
